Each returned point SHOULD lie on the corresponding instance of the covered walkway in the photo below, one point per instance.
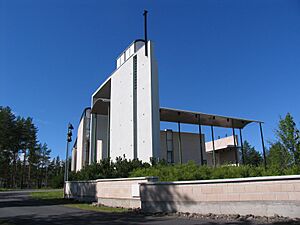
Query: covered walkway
(203, 119)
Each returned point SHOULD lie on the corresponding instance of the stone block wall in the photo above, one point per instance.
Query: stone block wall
(122, 192)
(264, 196)
(260, 196)
(117, 192)
(81, 190)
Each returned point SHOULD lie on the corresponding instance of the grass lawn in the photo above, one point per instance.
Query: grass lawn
(45, 195)
(8, 189)
(56, 197)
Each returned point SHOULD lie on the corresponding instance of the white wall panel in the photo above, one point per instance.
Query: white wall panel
(221, 143)
(147, 107)
(118, 62)
(99, 150)
(79, 152)
(134, 113)
(155, 103)
(122, 59)
(73, 161)
(131, 50)
(102, 135)
(190, 146)
(121, 121)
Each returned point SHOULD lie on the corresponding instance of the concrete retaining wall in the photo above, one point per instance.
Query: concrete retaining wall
(118, 192)
(123, 192)
(81, 190)
(261, 196)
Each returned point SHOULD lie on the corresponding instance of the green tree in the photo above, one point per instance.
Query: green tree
(7, 142)
(22, 159)
(278, 156)
(288, 136)
(29, 143)
(251, 156)
(44, 162)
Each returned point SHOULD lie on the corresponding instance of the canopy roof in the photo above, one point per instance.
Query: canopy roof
(190, 117)
(100, 106)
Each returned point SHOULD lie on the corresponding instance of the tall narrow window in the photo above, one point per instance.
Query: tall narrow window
(135, 107)
(169, 143)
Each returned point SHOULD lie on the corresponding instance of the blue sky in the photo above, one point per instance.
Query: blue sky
(235, 58)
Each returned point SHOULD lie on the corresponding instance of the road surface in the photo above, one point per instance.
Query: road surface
(16, 207)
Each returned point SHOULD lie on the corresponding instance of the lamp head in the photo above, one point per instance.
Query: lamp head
(70, 126)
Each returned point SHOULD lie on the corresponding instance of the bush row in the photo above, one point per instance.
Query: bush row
(106, 168)
(122, 168)
(192, 171)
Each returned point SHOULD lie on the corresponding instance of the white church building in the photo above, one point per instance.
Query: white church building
(125, 116)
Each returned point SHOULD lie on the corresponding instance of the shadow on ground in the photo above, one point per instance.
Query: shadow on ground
(24, 210)
(34, 202)
(87, 217)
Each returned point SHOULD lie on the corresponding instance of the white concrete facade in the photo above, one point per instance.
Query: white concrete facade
(132, 131)
(191, 151)
(74, 159)
(80, 150)
(129, 101)
(124, 119)
(190, 145)
(221, 143)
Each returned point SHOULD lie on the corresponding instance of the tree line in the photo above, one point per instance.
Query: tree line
(25, 162)
(284, 151)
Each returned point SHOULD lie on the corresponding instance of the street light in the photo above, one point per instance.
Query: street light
(69, 139)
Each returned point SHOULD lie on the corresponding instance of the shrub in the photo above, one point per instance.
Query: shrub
(57, 181)
(191, 171)
(122, 168)
(106, 168)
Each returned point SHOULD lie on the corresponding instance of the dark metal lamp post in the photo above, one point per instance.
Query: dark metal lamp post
(69, 139)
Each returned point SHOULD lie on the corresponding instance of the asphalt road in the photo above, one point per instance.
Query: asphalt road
(16, 207)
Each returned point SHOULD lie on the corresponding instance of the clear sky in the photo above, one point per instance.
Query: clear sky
(235, 58)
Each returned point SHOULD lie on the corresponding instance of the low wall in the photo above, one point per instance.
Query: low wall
(122, 192)
(117, 192)
(261, 196)
(81, 190)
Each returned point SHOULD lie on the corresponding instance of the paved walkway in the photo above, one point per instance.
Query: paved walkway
(16, 207)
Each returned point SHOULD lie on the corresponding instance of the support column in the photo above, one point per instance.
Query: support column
(92, 138)
(242, 146)
(108, 132)
(66, 175)
(179, 144)
(95, 139)
(213, 145)
(263, 145)
(200, 139)
(235, 147)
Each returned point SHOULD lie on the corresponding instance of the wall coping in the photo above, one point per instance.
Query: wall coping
(232, 180)
(80, 181)
(115, 179)
(127, 179)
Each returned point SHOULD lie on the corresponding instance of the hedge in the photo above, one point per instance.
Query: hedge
(192, 171)
(122, 168)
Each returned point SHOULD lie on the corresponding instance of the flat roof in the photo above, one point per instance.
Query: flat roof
(190, 117)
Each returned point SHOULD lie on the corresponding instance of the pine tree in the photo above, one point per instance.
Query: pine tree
(251, 156)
